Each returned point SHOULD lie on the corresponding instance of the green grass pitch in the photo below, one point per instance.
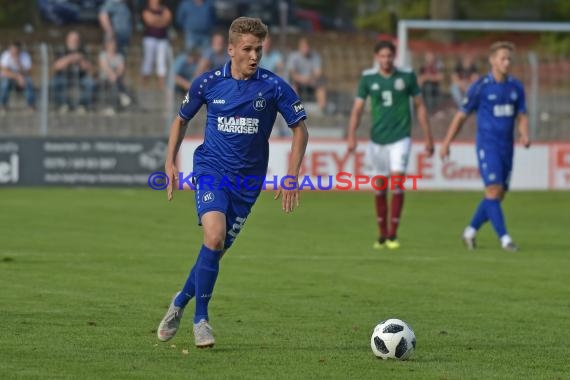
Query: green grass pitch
(87, 274)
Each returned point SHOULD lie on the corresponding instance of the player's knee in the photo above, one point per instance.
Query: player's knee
(214, 239)
(214, 243)
(494, 192)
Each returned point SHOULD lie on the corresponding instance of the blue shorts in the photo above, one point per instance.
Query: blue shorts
(495, 166)
(230, 202)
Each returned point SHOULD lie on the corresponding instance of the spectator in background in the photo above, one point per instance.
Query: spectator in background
(111, 72)
(72, 68)
(272, 59)
(156, 18)
(305, 73)
(15, 66)
(430, 79)
(464, 73)
(197, 19)
(215, 56)
(116, 20)
(184, 68)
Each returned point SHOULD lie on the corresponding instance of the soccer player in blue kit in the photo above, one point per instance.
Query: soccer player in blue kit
(498, 99)
(242, 102)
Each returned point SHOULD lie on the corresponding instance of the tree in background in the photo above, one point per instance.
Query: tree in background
(15, 14)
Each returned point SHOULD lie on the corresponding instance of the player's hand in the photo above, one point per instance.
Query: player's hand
(352, 143)
(444, 151)
(525, 141)
(291, 195)
(429, 148)
(172, 173)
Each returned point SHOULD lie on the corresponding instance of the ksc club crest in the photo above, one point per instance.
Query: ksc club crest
(259, 103)
(207, 197)
(399, 84)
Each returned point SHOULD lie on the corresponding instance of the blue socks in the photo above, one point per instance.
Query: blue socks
(495, 214)
(480, 216)
(488, 209)
(188, 291)
(200, 282)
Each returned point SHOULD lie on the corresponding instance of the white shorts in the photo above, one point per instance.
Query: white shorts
(386, 159)
(155, 51)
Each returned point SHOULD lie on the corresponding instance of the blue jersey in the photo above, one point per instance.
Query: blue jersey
(497, 105)
(240, 117)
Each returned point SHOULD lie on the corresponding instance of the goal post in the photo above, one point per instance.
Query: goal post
(515, 26)
(404, 60)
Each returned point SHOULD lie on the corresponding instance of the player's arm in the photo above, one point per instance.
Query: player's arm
(190, 106)
(177, 132)
(453, 130)
(356, 113)
(291, 195)
(470, 104)
(523, 130)
(293, 111)
(354, 122)
(424, 123)
(522, 119)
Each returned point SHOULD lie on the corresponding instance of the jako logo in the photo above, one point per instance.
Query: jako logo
(219, 101)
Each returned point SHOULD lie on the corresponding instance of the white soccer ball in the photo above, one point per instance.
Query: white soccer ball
(393, 339)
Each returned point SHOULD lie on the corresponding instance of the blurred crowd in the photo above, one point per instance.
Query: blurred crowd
(81, 83)
(77, 78)
(432, 76)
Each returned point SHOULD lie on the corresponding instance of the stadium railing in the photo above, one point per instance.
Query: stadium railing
(546, 78)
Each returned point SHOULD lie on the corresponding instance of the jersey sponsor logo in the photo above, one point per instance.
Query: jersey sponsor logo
(244, 125)
(503, 110)
(219, 101)
(514, 95)
(298, 106)
(259, 104)
(208, 196)
(399, 84)
(375, 87)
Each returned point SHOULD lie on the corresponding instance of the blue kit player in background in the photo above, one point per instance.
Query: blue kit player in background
(242, 102)
(499, 100)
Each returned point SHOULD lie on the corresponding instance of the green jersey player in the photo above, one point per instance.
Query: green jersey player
(389, 89)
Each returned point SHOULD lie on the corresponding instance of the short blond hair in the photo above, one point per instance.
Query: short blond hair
(501, 45)
(247, 25)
